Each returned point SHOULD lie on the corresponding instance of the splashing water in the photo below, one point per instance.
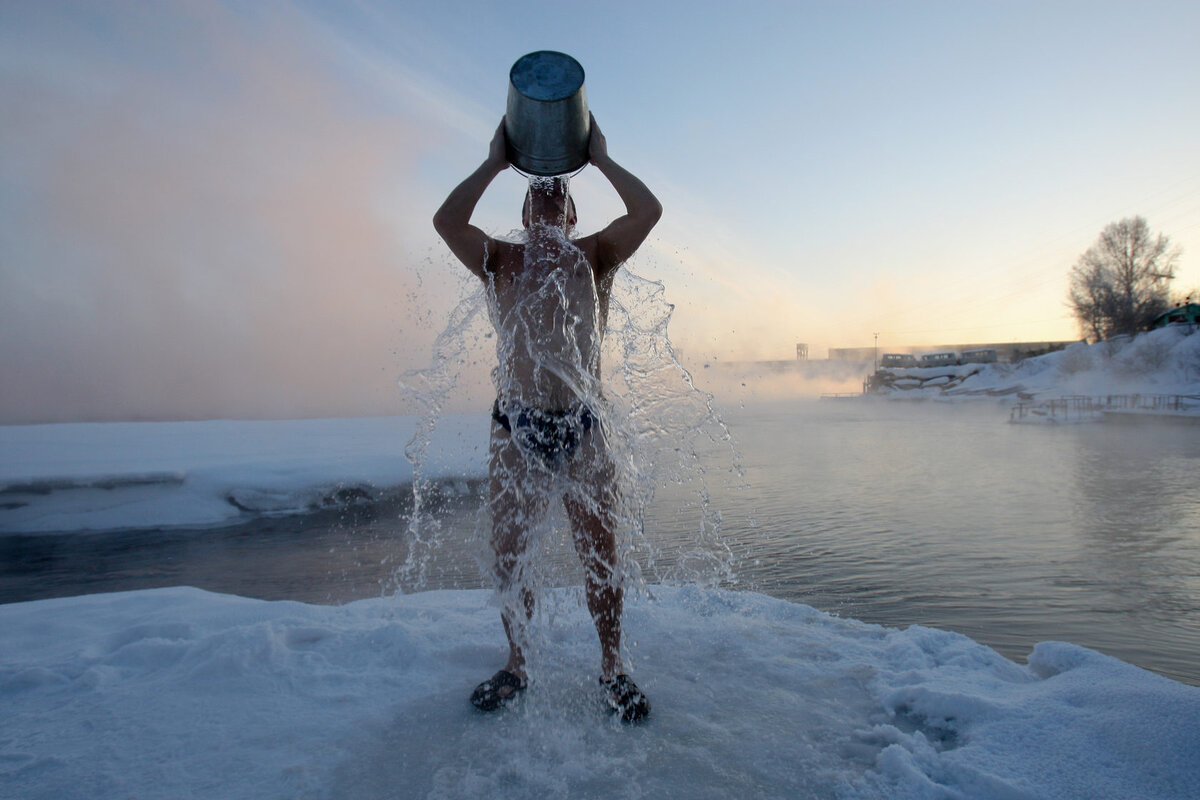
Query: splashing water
(592, 415)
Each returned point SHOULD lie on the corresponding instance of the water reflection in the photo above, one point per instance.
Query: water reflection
(946, 516)
(1136, 514)
(330, 556)
(890, 513)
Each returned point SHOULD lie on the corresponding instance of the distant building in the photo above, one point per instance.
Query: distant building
(802, 351)
(1187, 314)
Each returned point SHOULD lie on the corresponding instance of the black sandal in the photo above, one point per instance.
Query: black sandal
(625, 698)
(497, 690)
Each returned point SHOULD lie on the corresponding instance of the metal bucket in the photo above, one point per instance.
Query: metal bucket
(547, 122)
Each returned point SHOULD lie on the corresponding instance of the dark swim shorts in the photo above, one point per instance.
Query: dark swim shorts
(549, 434)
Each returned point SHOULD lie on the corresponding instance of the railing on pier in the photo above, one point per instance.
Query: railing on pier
(1083, 408)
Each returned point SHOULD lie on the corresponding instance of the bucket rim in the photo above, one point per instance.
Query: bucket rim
(531, 175)
(568, 57)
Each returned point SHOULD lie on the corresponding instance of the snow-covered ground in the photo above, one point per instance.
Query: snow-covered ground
(178, 693)
(181, 693)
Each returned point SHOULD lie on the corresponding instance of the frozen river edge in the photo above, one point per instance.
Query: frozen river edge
(180, 692)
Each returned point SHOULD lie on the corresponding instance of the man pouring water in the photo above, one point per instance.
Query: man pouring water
(548, 297)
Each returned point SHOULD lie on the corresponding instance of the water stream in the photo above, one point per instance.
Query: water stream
(593, 413)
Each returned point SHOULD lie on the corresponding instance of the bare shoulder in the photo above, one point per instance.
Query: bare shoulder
(505, 252)
(590, 247)
(504, 260)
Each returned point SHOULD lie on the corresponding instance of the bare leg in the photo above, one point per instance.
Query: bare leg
(515, 505)
(591, 504)
(596, 545)
(590, 507)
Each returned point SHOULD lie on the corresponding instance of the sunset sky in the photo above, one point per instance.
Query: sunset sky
(222, 209)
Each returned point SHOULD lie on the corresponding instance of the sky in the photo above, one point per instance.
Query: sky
(221, 209)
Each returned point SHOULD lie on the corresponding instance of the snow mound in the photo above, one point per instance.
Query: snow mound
(1163, 361)
(183, 693)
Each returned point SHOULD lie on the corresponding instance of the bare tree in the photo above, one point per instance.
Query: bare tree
(1123, 280)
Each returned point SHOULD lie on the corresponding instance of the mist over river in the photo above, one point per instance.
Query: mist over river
(895, 513)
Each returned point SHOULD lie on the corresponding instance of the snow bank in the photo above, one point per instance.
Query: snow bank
(182, 693)
(107, 476)
(1164, 361)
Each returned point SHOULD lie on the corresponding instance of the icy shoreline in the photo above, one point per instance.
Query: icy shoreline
(131, 476)
(180, 693)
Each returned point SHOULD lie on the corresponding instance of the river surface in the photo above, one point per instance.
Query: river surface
(894, 513)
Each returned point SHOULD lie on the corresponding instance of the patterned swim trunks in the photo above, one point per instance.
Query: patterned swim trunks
(550, 434)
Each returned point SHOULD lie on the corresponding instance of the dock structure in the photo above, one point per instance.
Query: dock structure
(981, 352)
(1088, 408)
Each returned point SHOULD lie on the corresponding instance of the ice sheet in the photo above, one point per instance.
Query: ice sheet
(107, 476)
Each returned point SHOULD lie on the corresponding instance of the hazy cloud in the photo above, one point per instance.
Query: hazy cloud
(195, 225)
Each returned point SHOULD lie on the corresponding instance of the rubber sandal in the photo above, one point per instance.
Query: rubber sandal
(491, 694)
(625, 699)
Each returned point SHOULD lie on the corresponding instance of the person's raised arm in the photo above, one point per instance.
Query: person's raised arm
(453, 220)
(624, 235)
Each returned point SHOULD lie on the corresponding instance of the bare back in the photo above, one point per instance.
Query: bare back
(548, 296)
(549, 304)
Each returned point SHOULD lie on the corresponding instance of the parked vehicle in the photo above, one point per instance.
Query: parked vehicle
(939, 359)
(984, 355)
(897, 360)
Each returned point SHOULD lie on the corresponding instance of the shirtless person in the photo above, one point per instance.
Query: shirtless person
(549, 298)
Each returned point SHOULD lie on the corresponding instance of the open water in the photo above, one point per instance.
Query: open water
(946, 515)
(894, 513)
